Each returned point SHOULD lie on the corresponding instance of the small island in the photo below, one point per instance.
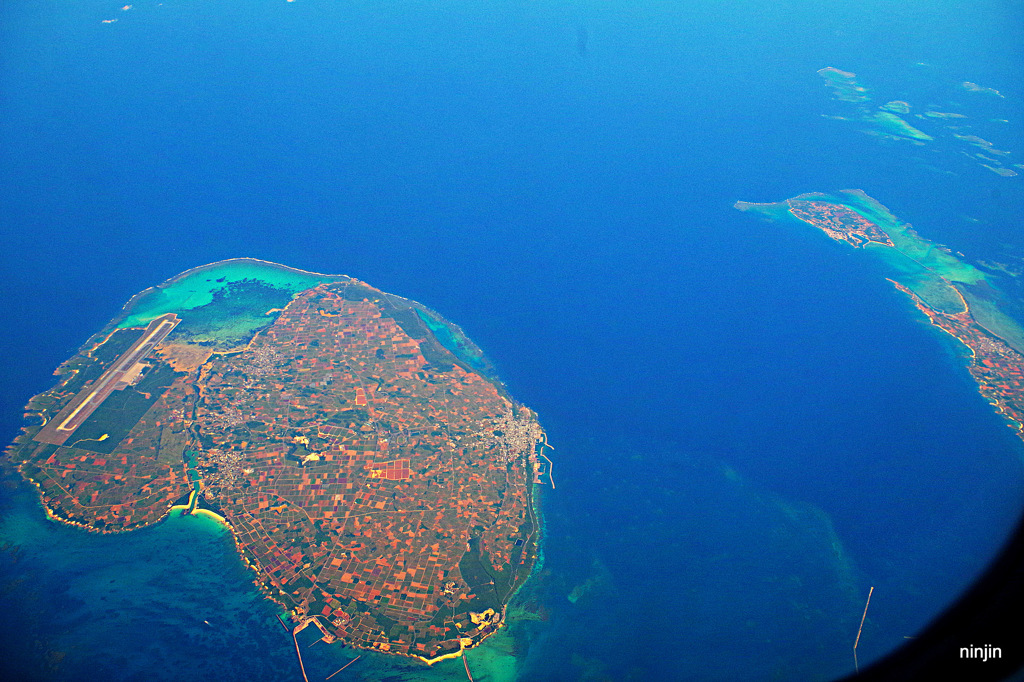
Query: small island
(844, 84)
(376, 475)
(887, 121)
(956, 297)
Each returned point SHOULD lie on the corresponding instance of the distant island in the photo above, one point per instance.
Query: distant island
(377, 477)
(955, 296)
(884, 121)
(952, 131)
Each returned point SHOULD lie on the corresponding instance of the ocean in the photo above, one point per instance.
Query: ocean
(751, 426)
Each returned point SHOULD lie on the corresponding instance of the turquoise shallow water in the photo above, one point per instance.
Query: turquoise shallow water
(107, 607)
(196, 288)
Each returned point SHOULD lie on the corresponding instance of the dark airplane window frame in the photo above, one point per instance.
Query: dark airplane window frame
(991, 613)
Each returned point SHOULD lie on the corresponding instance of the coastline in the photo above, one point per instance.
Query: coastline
(126, 309)
(182, 508)
(223, 524)
(537, 512)
(934, 260)
(242, 269)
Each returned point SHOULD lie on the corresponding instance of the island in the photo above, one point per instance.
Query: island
(844, 85)
(376, 476)
(955, 296)
(887, 122)
(974, 87)
(883, 121)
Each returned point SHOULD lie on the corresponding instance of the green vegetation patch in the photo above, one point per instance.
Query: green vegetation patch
(455, 341)
(442, 343)
(357, 291)
(411, 323)
(479, 576)
(172, 445)
(115, 345)
(121, 411)
(89, 367)
(382, 620)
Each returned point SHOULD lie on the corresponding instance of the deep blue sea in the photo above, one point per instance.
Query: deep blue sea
(751, 426)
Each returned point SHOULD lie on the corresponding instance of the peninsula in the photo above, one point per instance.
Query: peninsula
(377, 477)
